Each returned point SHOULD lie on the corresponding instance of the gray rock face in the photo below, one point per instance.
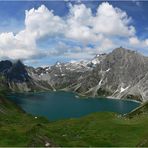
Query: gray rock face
(120, 74)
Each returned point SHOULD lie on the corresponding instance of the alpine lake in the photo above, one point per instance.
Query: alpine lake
(64, 105)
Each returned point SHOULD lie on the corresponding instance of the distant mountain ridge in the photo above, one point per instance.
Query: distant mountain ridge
(120, 74)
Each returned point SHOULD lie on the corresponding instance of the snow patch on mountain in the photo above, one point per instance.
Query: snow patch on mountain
(123, 89)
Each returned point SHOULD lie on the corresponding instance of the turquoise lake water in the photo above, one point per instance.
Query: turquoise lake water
(63, 105)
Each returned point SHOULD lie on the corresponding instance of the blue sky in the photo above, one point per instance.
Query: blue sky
(70, 30)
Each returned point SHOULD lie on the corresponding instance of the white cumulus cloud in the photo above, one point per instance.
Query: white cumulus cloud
(102, 29)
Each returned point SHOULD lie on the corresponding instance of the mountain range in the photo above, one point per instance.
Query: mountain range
(119, 74)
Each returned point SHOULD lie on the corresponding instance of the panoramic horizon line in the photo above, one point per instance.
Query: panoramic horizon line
(126, 49)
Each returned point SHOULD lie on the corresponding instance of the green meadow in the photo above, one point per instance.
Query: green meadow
(98, 129)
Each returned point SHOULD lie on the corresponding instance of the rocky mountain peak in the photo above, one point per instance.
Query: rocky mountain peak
(122, 52)
(17, 72)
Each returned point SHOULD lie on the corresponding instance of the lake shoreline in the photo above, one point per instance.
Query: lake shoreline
(81, 96)
(63, 105)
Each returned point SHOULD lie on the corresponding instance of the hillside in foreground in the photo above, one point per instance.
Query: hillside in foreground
(98, 129)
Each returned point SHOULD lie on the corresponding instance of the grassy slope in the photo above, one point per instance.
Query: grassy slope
(98, 129)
